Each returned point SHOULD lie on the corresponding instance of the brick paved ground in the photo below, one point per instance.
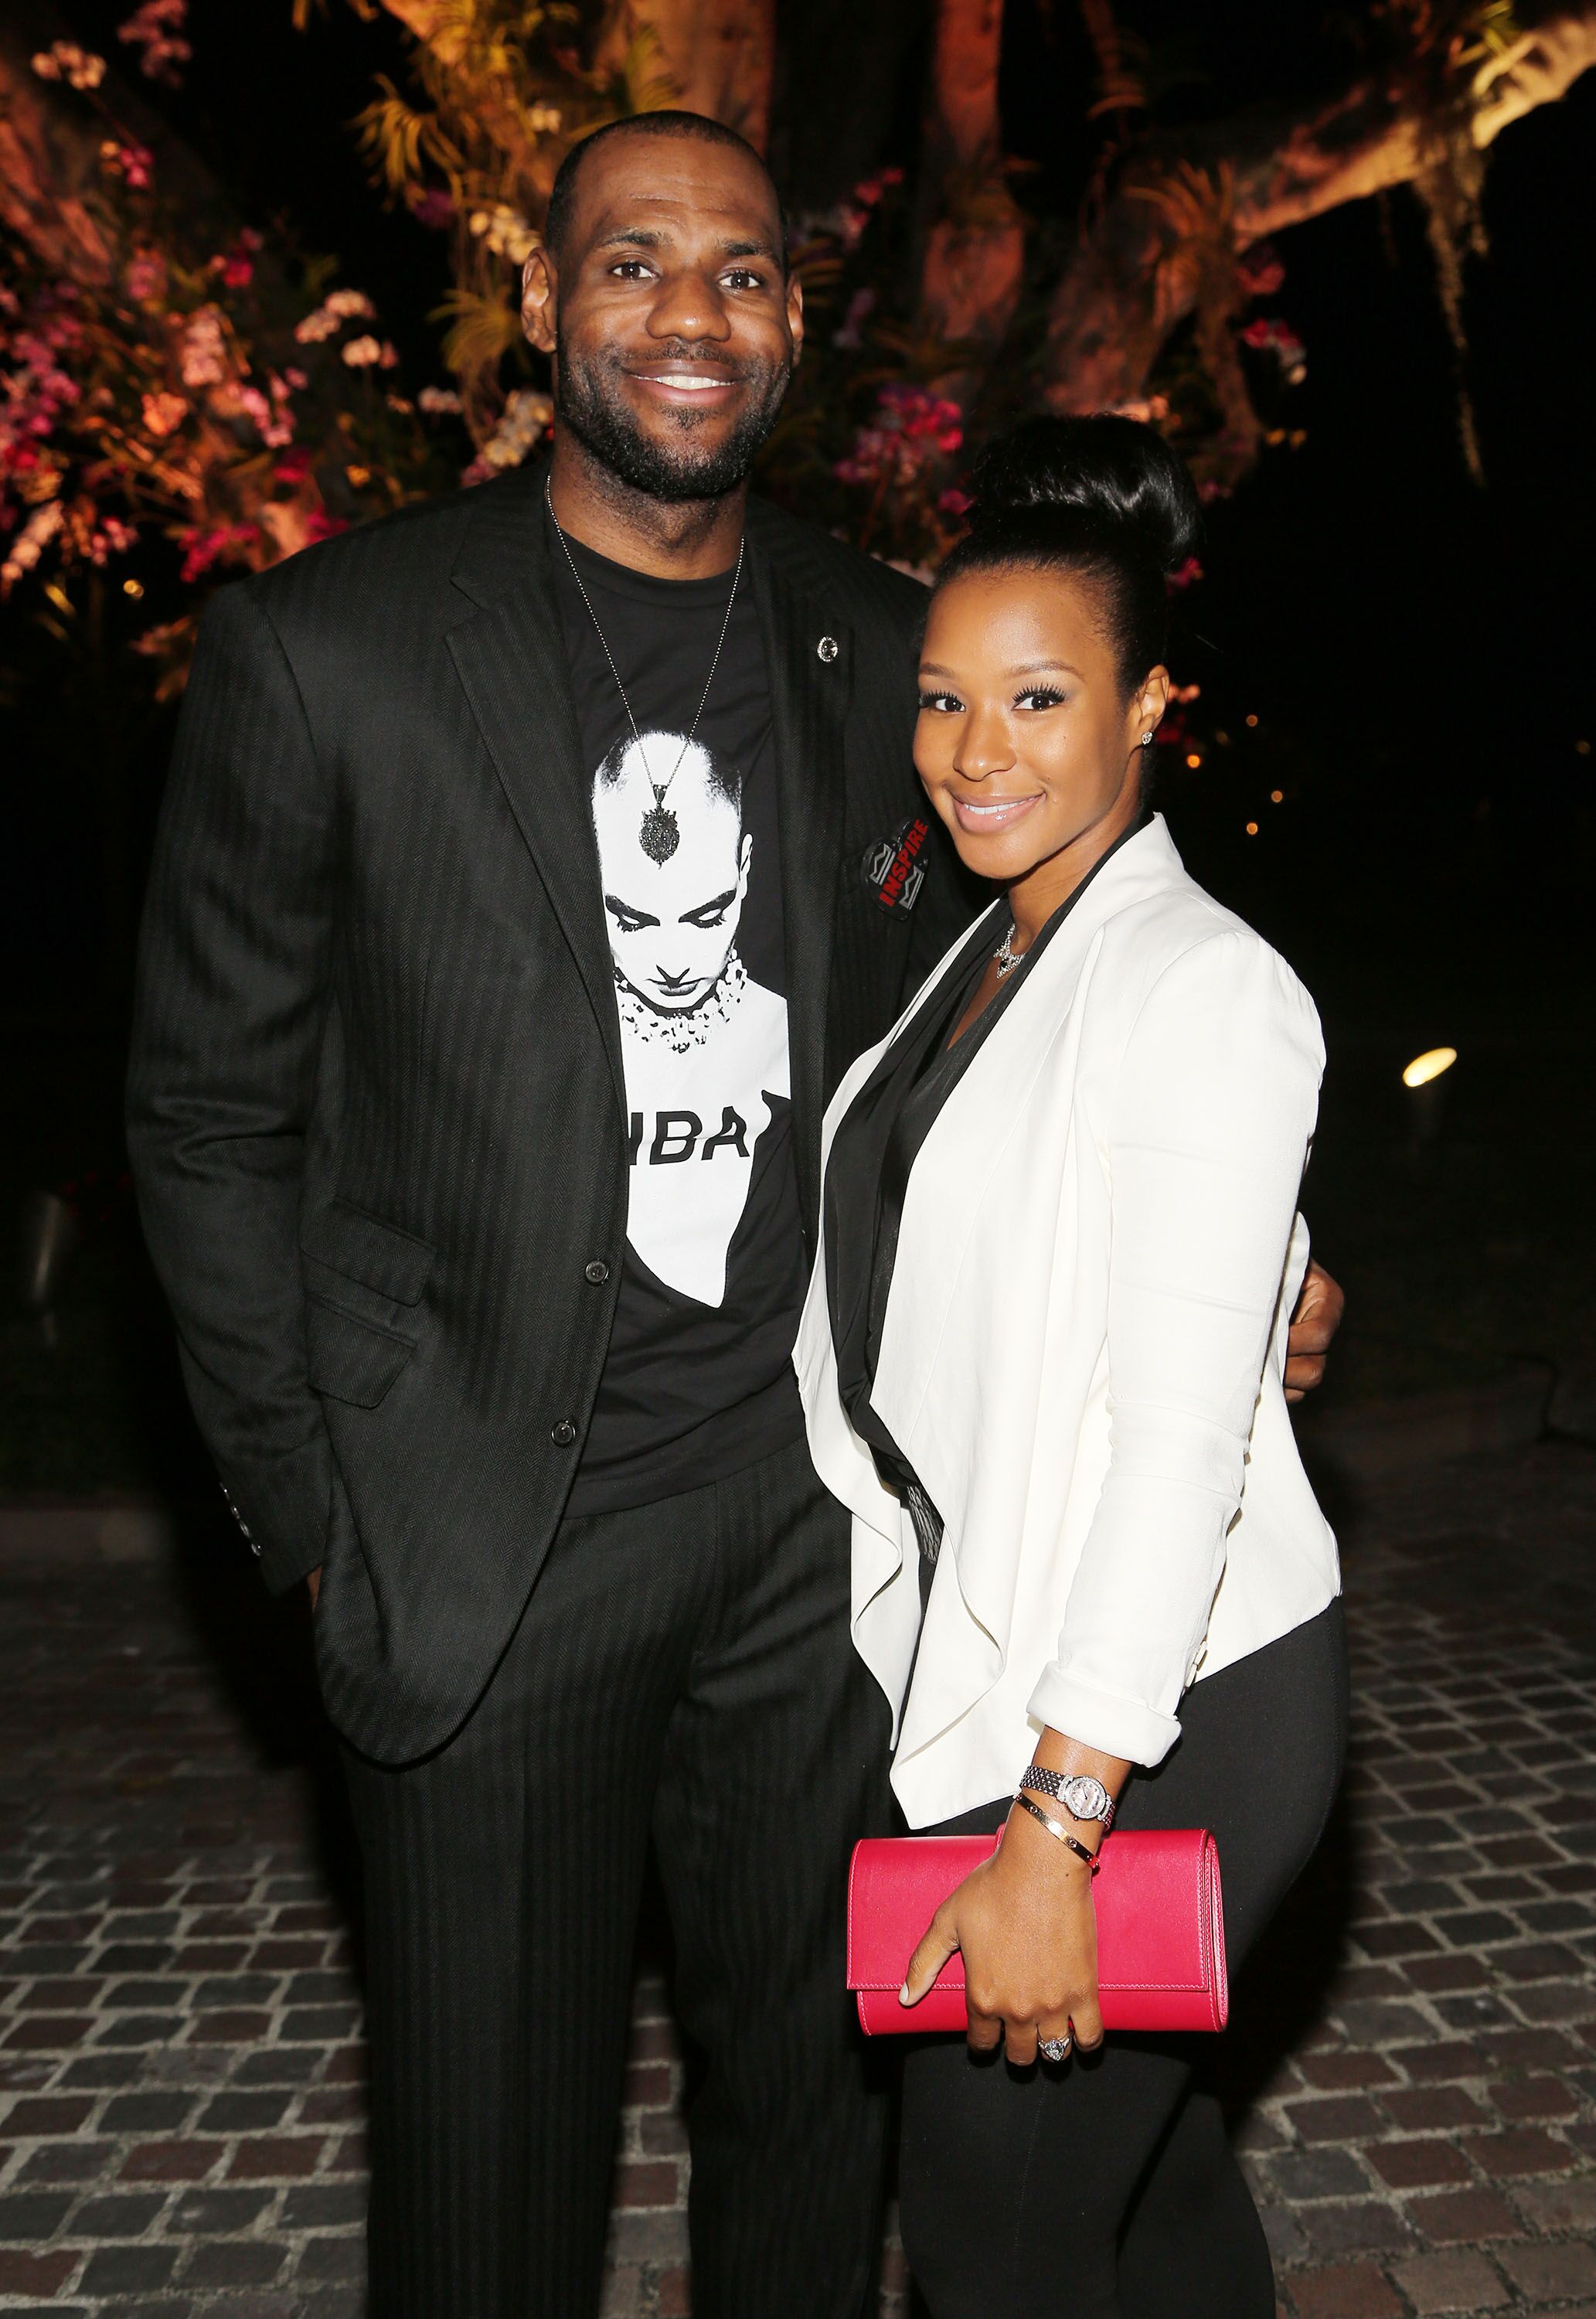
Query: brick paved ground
(180, 2064)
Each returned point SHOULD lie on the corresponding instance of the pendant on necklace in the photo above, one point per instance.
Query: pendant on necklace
(660, 832)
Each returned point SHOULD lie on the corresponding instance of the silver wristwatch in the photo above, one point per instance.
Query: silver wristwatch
(1082, 1796)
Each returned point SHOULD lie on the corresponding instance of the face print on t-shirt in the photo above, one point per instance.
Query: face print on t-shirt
(704, 1047)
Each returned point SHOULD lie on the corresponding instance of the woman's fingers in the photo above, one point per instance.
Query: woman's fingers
(1085, 2015)
(937, 1944)
(1019, 2044)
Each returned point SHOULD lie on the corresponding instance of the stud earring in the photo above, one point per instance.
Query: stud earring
(1146, 740)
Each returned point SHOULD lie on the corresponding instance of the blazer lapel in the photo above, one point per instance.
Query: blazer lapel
(510, 655)
(809, 656)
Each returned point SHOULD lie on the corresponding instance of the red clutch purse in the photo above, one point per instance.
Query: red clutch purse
(1160, 1928)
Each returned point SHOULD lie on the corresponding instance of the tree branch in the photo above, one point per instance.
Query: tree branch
(1176, 210)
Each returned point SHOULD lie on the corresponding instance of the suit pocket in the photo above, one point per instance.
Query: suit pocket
(364, 1281)
(349, 1355)
(361, 1248)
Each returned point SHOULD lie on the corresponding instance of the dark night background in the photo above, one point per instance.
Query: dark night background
(1414, 648)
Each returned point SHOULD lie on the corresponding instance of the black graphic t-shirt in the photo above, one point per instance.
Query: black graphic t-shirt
(699, 1382)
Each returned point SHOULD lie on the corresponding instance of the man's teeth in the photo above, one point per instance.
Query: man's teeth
(677, 378)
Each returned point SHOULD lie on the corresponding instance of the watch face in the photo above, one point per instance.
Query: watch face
(1086, 1797)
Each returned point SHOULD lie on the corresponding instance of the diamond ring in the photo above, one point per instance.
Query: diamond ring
(1054, 2048)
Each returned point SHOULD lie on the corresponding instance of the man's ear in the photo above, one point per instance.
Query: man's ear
(794, 314)
(540, 298)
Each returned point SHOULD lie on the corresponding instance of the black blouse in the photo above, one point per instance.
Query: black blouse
(875, 1146)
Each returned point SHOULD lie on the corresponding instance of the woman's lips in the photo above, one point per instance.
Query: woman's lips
(984, 818)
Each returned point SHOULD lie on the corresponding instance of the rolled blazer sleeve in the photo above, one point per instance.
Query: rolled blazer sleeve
(1206, 1136)
(233, 974)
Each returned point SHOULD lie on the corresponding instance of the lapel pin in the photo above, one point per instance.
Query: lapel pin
(892, 870)
(827, 649)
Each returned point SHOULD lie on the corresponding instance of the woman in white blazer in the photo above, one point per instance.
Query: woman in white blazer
(1043, 1364)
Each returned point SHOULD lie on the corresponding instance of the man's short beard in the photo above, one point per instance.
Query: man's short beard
(589, 402)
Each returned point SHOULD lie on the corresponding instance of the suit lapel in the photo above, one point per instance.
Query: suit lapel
(510, 655)
(810, 686)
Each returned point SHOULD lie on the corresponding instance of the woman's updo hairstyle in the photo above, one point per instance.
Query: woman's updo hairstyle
(1103, 497)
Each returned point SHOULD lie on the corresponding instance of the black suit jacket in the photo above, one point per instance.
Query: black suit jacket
(376, 1103)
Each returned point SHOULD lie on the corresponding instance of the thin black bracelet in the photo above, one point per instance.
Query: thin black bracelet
(1057, 1830)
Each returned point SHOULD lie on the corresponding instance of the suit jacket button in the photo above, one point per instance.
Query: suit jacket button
(828, 649)
(598, 1272)
(564, 1433)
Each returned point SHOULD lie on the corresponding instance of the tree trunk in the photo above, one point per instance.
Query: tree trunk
(721, 56)
(832, 123)
(974, 248)
(1177, 210)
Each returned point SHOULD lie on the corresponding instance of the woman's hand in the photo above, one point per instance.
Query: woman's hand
(1023, 1920)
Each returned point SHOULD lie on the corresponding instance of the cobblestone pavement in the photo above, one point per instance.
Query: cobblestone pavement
(1413, 2065)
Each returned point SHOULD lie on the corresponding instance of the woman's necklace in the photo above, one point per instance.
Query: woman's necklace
(1006, 957)
(659, 833)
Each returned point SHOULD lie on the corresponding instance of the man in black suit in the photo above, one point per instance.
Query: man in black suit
(509, 927)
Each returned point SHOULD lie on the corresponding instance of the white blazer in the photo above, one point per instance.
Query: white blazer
(1083, 1349)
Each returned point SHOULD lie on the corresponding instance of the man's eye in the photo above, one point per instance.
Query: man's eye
(1041, 696)
(743, 277)
(630, 269)
(942, 704)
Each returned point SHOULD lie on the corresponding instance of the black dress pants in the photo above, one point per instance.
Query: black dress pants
(683, 1670)
(1106, 2188)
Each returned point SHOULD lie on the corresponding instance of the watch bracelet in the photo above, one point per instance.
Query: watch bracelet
(1043, 1782)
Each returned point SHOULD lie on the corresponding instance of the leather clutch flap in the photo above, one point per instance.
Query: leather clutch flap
(1160, 1928)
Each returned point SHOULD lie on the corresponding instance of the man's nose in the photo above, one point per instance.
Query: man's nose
(688, 306)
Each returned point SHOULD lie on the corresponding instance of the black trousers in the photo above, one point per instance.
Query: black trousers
(1106, 2189)
(683, 1670)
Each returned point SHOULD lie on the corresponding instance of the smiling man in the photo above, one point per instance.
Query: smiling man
(508, 928)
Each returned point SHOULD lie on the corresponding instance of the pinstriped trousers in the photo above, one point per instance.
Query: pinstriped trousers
(683, 1670)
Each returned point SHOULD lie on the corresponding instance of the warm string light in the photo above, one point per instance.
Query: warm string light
(1429, 1066)
(1252, 829)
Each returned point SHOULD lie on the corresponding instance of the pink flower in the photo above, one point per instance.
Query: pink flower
(154, 30)
(236, 272)
(360, 354)
(162, 413)
(434, 208)
(1268, 332)
(292, 467)
(146, 276)
(322, 526)
(204, 353)
(273, 428)
(205, 548)
(859, 307)
(110, 537)
(31, 543)
(954, 502)
(1189, 571)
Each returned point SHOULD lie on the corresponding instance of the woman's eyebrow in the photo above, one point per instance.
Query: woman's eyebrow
(1021, 668)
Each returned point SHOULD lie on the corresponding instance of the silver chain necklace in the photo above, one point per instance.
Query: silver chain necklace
(660, 832)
